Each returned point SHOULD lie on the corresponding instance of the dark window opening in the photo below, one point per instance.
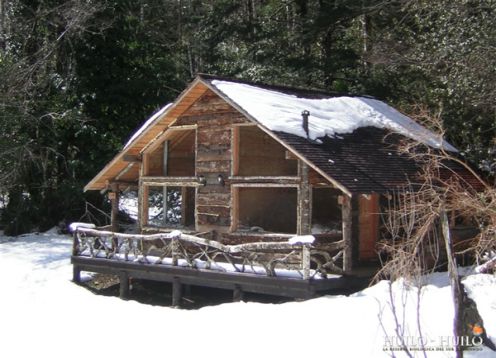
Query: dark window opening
(262, 155)
(326, 211)
(267, 209)
(174, 157)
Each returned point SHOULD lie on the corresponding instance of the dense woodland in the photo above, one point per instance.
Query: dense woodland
(78, 77)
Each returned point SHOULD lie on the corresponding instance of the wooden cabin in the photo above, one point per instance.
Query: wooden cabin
(239, 162)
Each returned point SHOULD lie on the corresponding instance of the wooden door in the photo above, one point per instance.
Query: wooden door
(368, 226)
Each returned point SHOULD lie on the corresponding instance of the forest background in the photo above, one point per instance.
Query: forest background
(78, 77)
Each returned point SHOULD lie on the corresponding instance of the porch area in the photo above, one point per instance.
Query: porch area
(297, 267)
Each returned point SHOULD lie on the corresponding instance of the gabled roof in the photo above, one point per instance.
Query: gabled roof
(346, 133)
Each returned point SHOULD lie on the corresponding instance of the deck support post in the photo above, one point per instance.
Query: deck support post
(238, 293)
(123, 285)
(346, 214)
(177, 292)
(76, 274)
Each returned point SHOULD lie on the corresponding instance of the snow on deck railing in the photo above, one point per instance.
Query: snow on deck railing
(297, 258)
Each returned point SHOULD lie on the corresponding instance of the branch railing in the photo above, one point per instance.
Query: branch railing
(292, 259)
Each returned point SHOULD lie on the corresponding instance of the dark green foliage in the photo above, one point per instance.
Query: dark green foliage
(78, 77)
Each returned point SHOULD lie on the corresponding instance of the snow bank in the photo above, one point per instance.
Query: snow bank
(45, 315)
(330, 116)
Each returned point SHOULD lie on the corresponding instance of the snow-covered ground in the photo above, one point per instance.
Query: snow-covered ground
(43, 314)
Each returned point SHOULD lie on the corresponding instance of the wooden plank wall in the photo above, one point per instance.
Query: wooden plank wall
(368, 226)
(214, 119)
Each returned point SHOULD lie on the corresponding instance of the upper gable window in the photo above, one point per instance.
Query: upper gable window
(261, 155)
(174, 157)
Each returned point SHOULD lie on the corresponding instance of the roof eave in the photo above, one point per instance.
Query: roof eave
(92, 183)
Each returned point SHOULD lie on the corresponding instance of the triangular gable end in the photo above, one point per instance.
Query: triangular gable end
(121, 162)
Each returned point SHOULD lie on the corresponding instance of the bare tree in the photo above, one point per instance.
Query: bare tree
(418, 227)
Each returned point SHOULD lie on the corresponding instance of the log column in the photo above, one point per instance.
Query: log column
(346, 214)
(143, 194)
(114, 200)
(304, 224)
(177, 292)
(123, 285)
(238, 293)
(76, 274)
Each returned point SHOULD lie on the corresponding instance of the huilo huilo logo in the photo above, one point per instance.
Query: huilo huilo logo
(471, 341)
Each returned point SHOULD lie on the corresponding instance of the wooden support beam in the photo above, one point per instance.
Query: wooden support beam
(145, 165)
(304, 217)
(143, 194)
(285, 180)
(165, 167)
(76, 274)
(170, 181)
(234, 208)
(114, 200)
(123, 285)
(142, 206)
(177, 292)
(131, 158)
(238, 293)
(235, 150)
(346, 215)
(124, 171)
(264, 185)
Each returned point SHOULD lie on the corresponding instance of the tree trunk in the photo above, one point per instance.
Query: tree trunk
(456, 287)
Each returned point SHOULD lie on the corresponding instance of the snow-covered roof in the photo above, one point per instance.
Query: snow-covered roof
(331, 116)
(147, 124)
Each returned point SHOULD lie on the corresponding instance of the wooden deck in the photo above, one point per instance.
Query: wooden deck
(296, 270)
(237, 282)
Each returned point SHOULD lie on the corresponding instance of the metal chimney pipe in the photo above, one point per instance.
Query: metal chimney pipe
(305, 114)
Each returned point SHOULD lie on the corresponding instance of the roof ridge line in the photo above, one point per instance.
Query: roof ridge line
(281, 88)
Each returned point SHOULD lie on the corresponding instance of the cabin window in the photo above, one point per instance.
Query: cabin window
(261, 155)
(271, 209)
(174, 157)
(171, 206)
(326, 211)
